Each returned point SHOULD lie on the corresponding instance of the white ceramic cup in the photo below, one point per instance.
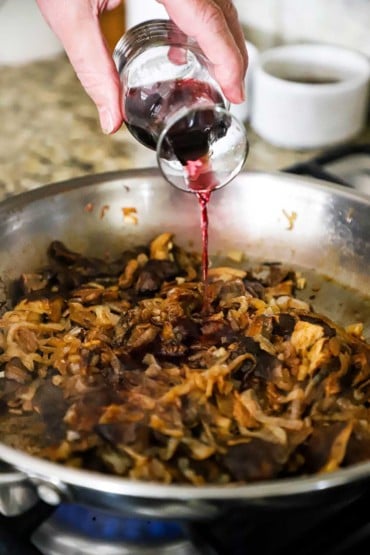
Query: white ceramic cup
(310, 95)
(25, 35)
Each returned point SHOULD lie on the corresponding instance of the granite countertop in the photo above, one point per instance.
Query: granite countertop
(50, 132)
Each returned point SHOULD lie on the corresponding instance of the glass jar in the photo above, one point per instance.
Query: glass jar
(173, 104)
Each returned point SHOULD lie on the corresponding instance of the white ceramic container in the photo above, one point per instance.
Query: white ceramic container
(310, 95)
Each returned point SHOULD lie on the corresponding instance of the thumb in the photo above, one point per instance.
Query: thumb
(77, 26)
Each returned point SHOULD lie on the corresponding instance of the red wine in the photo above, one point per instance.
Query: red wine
(203, 199)
(202, 182)
(200, 175)
(147, 107)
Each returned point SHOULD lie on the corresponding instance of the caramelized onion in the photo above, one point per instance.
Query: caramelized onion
(116, 367)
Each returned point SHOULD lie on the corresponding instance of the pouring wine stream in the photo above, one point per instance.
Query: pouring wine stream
(202, 181)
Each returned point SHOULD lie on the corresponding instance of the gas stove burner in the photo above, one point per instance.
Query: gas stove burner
(102, 525)
(79, 530)
(51, 540)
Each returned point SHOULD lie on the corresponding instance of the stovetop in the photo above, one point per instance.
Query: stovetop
(345, 165)
(72, 529)
(338, 529)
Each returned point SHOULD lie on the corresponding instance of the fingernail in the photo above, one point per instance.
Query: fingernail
(106, 120)
(242, 91)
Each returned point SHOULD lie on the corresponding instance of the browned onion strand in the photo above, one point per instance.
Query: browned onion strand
(113, 366)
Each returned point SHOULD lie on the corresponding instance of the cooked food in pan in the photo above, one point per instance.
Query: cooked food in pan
(133, 367)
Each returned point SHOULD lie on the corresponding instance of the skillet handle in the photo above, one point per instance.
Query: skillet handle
(17, 493)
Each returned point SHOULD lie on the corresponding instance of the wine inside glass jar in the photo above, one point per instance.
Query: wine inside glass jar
(173, 104)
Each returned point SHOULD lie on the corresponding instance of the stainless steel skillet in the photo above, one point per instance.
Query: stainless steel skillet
(318, 226)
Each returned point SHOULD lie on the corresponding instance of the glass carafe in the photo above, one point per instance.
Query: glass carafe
(173, 104)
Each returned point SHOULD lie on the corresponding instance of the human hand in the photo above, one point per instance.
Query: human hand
(213, 23)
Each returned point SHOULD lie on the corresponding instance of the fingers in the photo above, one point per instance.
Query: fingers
(232, 19)
(77, 26)
(214, 30)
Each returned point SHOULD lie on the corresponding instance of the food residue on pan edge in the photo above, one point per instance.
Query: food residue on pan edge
(89, 207)
(291, 217)
(130, 215)
(129, 212)
(104, 209)
(113, 366)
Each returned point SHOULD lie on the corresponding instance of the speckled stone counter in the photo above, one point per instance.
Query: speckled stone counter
(50, 132)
